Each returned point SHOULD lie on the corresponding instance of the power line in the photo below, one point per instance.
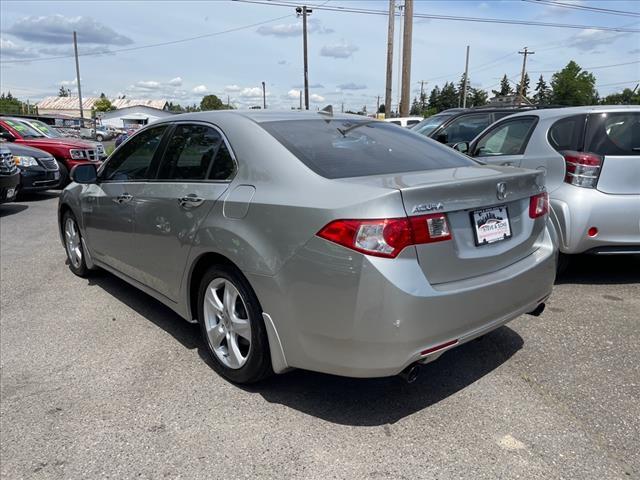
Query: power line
(151, 45)
(584, 8)
(590, 68)
(617, 83)
(369, 11)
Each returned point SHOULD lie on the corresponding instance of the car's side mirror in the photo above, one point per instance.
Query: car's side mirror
(84, 173)
(7, 136)
(442, 137)
(462, 147)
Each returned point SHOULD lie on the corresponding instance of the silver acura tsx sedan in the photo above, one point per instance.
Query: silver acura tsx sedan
(333, 243)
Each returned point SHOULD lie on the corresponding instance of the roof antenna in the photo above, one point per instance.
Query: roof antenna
(328, 110)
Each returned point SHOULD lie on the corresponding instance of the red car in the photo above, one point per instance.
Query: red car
(68, 152)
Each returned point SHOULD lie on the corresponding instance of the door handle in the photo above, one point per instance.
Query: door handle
(190, 201)
(507, 164)
(124, 198)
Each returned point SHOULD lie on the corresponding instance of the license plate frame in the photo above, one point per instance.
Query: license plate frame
(497, 222)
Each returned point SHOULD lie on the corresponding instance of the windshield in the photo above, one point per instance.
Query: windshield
(44, 128)
(24, 130)
(428, 125)
(345, 148)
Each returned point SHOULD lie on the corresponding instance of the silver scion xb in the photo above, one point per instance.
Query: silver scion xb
(591, 156)
(338, 244)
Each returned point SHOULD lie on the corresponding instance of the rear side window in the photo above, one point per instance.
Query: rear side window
(353, 148)
(132, 160)
(614, 134)
(507, 138)
(196, 152)
(568, 133)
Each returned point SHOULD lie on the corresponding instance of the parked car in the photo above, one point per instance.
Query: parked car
(38, 169)
(591, 158)
(9, 175)
(462, 124)
(406, 122)
(98, 133)
(68, 152)
(51, 132)
(338, 244)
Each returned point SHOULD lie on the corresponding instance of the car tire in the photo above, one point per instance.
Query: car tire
(99, 138)
(64, 175)
(73, 245)
(233, 330)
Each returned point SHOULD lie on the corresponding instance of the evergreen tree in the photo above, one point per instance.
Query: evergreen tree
(477, 98)
(64, 92)
(543, 93)
(448, 97)
(433, 97)
(505, 88)
(416, 108)
(626, 97)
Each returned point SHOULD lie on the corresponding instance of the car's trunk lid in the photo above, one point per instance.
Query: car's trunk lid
(620, 175)
(459, 192)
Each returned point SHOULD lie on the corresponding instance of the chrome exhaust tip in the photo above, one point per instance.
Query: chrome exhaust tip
(410, 374)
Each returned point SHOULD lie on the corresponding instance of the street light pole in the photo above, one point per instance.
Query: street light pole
(75, 49)
(304, 11)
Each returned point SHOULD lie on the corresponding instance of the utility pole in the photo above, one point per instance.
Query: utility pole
(524, 67)
(264, 97)
(388, 86)
(304, 11)
(422, 97)
(228, 102)
(406, 58)
(466, 80)
(401, 10)
(75, 49)
(378, 105)
(300, 98)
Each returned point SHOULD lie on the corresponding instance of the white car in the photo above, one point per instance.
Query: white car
(405, 122)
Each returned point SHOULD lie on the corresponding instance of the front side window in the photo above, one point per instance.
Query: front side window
(344, 148)
(131, 162)
(196, 152)
(464, 128)
(24, 130)
(428, 125)
(508, 138)
(614, 134)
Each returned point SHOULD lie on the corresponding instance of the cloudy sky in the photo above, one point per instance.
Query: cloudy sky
(242, 44)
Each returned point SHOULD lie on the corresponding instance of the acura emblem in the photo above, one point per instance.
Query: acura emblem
(501, 190)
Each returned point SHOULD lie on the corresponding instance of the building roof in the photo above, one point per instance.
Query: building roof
(72, 103)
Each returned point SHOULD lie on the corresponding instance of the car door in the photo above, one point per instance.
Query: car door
(505, 142)
(195, 170)
(109, 205)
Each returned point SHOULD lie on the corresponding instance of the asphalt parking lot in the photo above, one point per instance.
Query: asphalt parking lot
(98, 380)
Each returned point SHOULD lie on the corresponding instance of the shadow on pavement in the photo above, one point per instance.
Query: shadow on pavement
(601, 270)
(38, 196)
(7, 209)
(346, 401)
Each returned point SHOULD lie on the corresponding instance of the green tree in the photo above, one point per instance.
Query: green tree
(211, 102)
(175, 107)
(64, 92)
(543, 93)
(626, 97)
(448, 97)
(477, 97)
(433, 97)
(505, 88)
(573, 86)
(103, 104)
(9, 104)
(525, 91)
(381, 108)
(416, 108)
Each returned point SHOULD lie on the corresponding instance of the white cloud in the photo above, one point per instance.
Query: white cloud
(68, 83)
(200, 89)
(232, 88)
(293, 94)
(13, 50)
(588, 39)
(316, 98)
(340, 50)
(148, 85)
(175, 82)
(252, 92)
(293, 29)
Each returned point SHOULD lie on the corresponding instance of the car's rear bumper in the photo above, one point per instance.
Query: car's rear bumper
(617, 218)
(342, 313)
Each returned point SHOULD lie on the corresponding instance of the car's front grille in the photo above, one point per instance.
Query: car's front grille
(7, 164)
(48, 163)
(91, 155)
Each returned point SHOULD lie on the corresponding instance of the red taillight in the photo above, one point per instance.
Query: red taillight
(582, 168)
(539, 205)
(387, 237)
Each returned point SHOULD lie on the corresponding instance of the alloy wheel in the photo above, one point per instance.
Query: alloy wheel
(227, 323)
(73, 243)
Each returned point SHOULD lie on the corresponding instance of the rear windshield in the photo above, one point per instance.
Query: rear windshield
(355, 148)
(614, 133)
